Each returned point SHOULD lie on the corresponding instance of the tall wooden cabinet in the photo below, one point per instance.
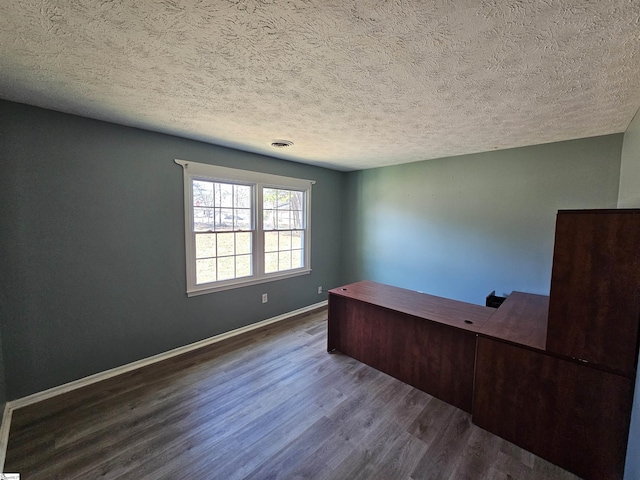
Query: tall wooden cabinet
(595, 289)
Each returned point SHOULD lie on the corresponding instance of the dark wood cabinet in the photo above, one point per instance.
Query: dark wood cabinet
(574, 416)
(595, 288)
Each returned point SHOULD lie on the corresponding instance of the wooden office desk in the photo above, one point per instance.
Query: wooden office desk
(426, 341)
(494, 364)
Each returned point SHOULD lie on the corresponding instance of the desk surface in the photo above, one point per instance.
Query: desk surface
(521, 319)
(437, 309)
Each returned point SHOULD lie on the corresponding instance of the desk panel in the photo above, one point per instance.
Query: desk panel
(434, 357)
(572, 415)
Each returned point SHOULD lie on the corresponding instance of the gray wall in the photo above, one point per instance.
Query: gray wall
(93, 267)
(461, 227)
(630, 198)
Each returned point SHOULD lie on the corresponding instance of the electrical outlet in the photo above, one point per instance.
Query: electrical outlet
(320, 289)
(265, 298)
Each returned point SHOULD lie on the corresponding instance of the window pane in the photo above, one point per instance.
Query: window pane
(271, 262)
(226, 194)
(233, 252)
(243, 243)
(296, 219)
(242, 219)
(284, 261)
(270, 241)
(226, 244)
(283, 220)
(226, 268)
(296, 200)
(269, 198)
(296, 239)
(242, 196)
(243, 266)
(296, 259)
(289, 209)
(268, 220)
(217, 196)
(284, 200)
(205, 245)
(203, 219)
(202, 193)
(285, 241)
(225, 221)
(205, 271)
(284, 250)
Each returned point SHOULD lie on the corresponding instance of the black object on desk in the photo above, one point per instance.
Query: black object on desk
(494, 301)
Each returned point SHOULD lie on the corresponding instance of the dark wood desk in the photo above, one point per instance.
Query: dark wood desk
(494, 364)
(426, 341)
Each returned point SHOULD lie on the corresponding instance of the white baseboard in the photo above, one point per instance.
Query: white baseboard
(91, 379)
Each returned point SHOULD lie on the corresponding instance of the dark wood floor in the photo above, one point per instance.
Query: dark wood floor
(270, 404)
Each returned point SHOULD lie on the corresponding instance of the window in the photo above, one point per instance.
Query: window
(223, 227)
(243, 227)
(283, 220)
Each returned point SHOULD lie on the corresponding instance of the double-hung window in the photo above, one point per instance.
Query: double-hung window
(243, 227)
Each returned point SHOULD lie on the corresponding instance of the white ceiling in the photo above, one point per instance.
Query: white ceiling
(354, 84)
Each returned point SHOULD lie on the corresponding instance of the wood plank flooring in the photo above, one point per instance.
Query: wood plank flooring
(269, 404)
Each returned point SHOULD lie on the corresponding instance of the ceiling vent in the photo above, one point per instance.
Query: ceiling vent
(281, 143)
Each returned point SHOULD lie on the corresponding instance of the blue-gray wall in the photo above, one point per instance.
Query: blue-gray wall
(461, 227)
(629, 197)
(93, 263)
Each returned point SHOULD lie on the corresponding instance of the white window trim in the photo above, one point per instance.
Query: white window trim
(193, 170)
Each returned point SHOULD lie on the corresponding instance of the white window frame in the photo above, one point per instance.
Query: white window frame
(202, 171)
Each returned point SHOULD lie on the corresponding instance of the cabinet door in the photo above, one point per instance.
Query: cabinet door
(594, 306)
(570, 414)
(435, 358)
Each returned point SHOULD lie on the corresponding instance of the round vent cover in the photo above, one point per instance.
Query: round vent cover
(281, 143)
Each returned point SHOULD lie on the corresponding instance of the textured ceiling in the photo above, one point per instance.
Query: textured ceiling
(354, 84)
